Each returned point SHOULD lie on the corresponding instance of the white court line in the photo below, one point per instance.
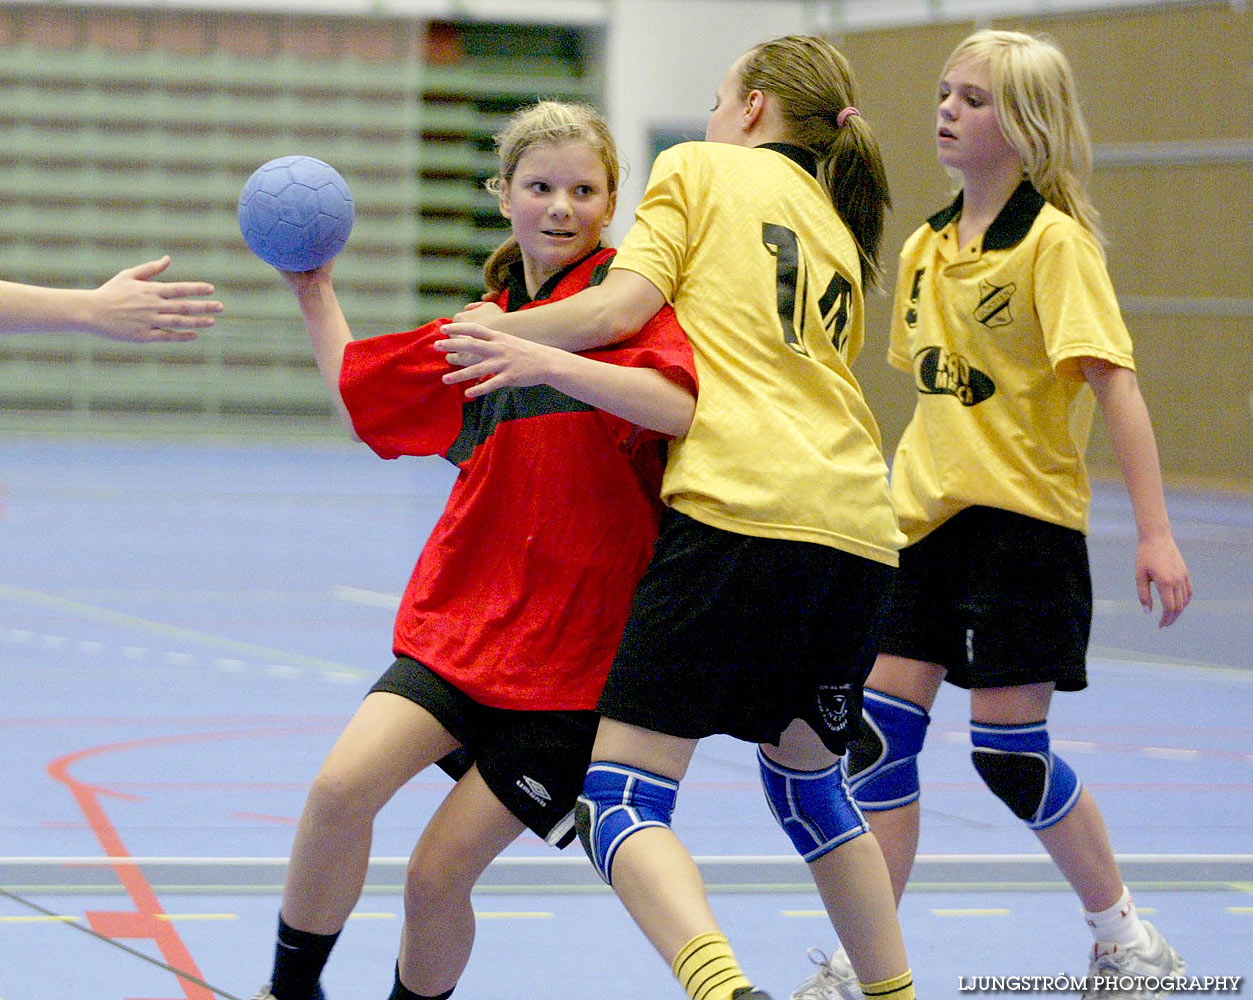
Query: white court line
(1110, 606)
(1171, 753)
(1131, 657)
(106, 616)
(371, 598)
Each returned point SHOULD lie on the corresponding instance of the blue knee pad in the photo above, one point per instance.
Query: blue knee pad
(881, 765)
(813, 807)
(617, 801)
(1017, 764)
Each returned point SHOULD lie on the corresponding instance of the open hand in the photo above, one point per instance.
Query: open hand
(492, 359)
(130, 306)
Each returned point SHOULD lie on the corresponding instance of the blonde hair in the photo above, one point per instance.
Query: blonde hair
(541, 124)
(813, 83)
(1037, 109)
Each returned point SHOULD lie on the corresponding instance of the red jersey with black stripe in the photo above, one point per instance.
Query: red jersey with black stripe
(522, 591)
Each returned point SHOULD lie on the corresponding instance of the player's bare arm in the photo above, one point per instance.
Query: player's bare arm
(494, 360)
(594, 317)
(327, 327)
(130, 306)
(1158, 559)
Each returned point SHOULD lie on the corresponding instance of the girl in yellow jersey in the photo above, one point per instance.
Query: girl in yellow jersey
(757, 615)
(1007, 320)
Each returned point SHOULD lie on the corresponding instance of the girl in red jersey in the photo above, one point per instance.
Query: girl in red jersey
(510, 621)
(757, 615)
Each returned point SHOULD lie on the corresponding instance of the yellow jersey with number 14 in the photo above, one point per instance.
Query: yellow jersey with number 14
(765, 279)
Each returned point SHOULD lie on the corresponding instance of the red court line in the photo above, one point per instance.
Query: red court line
(145, 922)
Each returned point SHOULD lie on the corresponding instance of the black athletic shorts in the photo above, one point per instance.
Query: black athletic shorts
(736, 634)
(997, 598)
(534, 762)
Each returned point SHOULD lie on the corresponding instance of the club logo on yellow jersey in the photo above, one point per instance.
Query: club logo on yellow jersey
(993, 308)
(937, 372)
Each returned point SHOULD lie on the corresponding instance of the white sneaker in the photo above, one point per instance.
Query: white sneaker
(834, 980)
(1137, 969)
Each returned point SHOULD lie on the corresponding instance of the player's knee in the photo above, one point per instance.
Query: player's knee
(440, 868)
(1015, 762)
(813, 807)
(617, 801)
(881, 765)
(337, 801)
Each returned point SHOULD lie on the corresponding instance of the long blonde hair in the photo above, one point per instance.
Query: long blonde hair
(541, 124)
(1037, 108)
(813, 83)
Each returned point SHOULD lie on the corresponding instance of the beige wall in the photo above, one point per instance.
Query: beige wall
(1181, 236)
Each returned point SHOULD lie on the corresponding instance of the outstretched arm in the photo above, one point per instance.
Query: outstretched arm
(130, 306)
(327, 326)
(643, 396)
(1158, 560)
(595, 317)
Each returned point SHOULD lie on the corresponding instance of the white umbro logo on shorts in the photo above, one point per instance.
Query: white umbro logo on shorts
(534, 789)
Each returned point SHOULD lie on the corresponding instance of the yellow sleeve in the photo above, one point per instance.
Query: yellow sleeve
(657, 244)
(1077, 306)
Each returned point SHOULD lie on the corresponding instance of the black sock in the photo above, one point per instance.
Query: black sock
(402, 992)
(299, 958)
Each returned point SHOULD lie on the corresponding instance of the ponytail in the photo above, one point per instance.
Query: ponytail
(817, 95)
(496, 267)
(854, 178)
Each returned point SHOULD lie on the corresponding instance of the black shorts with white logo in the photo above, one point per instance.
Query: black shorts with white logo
(996, 598)
(534, 762)
(737, 634)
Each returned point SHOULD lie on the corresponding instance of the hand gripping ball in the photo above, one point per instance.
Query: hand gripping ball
(295, 212)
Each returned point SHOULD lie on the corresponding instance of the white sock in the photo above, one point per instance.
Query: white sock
(1120, 924)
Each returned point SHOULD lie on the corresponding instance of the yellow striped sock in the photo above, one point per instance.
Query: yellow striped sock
(897, 988)
(707, 970)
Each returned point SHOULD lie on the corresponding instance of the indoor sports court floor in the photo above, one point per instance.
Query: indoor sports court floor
(185, 628)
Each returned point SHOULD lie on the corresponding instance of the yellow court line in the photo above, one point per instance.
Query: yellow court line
(987, 912)
(804, 913)
(537, 915)
(480, 914)
(64, 919)
(91, 612)
(197, 916)
(1240, 910)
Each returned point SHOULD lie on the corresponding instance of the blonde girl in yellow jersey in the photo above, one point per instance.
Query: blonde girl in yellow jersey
(757, 615)
(1007, 320)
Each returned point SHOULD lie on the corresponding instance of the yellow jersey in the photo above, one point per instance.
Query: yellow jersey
(991, 333)
(765, 279)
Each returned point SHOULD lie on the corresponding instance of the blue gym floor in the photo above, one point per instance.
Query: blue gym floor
(184, 628)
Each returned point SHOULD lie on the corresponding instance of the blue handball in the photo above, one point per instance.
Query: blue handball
(295, 212)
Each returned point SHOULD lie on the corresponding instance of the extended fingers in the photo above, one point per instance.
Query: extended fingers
(469, 370)
(185, 289)
(186, 321)
(189, 313)
(1174, 599)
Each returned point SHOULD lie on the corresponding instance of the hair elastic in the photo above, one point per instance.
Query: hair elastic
(842, 117)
